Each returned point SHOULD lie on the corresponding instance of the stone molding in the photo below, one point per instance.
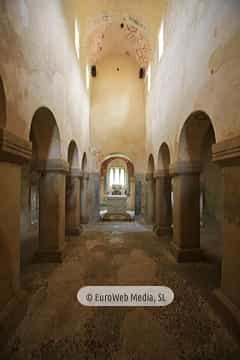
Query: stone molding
(185, 168)
(227, 152)
(161, 173)
(75, 172)
(139, 176)
(13, 148)
(51, 165)
(149, 177)
(85, 176)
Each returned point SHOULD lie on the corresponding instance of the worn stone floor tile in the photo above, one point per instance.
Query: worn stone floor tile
(58, 327)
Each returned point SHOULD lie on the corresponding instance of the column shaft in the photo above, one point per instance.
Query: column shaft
(163, 206)
(132, 194)
(84, 199)
(227, 155)
(102, 183)
(73, 226)
(52, 187)
(186, 213)
(13, 301)
(10, 180)
(149, 199)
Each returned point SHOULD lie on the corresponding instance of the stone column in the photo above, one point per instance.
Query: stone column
(132, 194)
(13, 153)
(93, 198)
(84, 199)
(52, 187)
(186, 212)
(149, 200)
(163, 206)
(73, 186)
(139, 194)
(102, 185)
(227, 155)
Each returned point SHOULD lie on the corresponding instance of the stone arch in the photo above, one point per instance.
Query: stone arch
(195, 130)
(151, 166)
(45, 135)
(197, 190)
(72, 200)
(45, 138)
(73, 155)
(127, 190)
(108, 159)
(163, 157)
(3, 105)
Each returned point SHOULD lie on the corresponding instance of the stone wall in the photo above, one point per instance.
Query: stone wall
(39, 67)
(199, 70)
(117, 115)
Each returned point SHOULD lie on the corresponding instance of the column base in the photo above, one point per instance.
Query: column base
(74, 231)
(186, 255)
(11, 316)
(84, 219)
(162, 230)
(49, 257)
(229, 311)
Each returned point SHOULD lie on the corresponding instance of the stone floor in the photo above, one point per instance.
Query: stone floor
(58, 327)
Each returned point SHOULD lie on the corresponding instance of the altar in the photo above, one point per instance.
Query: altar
(116, 203)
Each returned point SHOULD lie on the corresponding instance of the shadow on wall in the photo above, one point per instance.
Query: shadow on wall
(45, 135)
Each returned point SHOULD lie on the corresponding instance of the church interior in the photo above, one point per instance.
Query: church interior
(119, 165)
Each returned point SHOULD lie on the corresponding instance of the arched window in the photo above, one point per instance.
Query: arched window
(87, 77)
(77, 38)
(117, 176)
(111, 177)
(149, 74)
(161, 41)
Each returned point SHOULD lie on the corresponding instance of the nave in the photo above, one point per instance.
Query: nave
(56, 326)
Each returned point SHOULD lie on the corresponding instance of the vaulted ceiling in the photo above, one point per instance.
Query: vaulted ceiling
(126, 27)
(123, 35)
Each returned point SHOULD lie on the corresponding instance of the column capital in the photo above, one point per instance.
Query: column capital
(51, 165)
(85, 176)
(149, 177)
(185, 168)
(227, 152)
(13, 148)
(161, 173)
(75, 172)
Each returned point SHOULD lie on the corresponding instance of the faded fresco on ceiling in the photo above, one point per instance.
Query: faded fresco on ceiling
(123, 35)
